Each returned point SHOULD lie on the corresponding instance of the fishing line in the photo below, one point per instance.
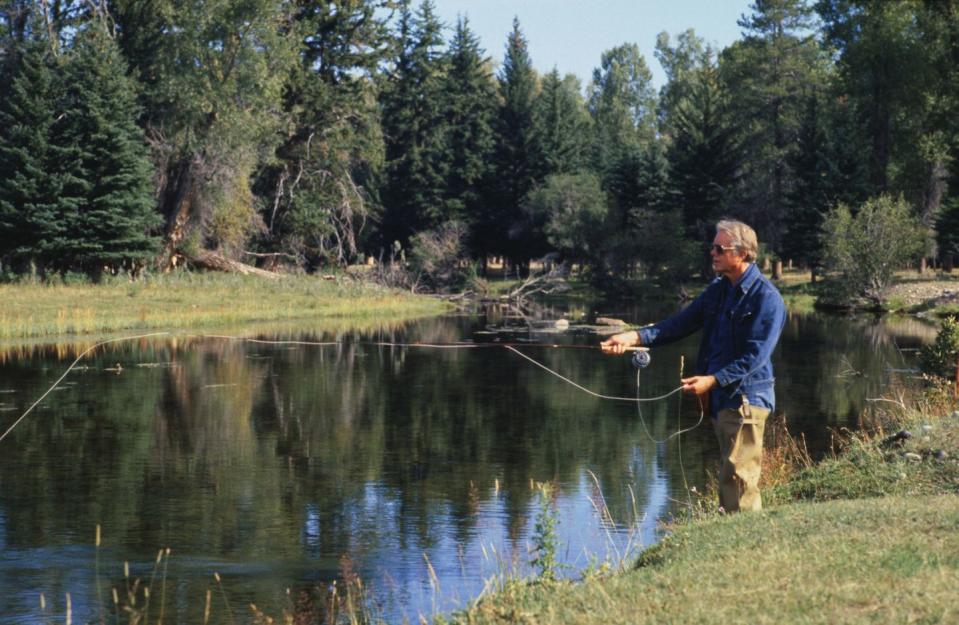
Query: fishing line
(643, 420)
(70, 368)
(586, 390)
(509, 346)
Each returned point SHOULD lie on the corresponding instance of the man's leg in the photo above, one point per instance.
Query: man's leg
(740, 435)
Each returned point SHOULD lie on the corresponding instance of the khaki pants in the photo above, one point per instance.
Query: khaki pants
(740, 434)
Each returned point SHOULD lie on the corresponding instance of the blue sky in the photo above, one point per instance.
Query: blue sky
(572, 34)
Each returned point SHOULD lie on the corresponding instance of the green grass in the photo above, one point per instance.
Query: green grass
(197, 301)
(868, 535)
(887, 560)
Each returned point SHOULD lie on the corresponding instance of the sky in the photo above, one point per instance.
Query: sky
(572, 34)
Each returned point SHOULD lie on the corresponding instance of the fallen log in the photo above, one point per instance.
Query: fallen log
(215, 262)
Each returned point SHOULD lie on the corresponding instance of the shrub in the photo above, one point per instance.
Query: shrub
(439, 260)
(864, 248)
(940, 358)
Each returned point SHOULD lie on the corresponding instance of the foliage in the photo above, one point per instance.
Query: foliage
(667, 256)
(561, 127)
(29, 182)
(544, 534)
(941, 357)
(767, 75)
(468, 104)
(318, 196)
(622, 102)
(75, 187)
(212, 104)
(325, 131)
(413, 128)
(109, 213)
(513, 174)
(705, 155)
(681, 63)
(865, 248)
(571, 210)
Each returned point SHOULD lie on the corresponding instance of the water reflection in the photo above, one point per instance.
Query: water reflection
(279, 465)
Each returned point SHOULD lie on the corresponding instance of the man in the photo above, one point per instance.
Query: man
(742, 315)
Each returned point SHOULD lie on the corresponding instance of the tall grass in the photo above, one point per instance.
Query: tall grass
(187, 300)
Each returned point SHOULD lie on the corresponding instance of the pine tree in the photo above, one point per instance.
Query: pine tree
(29, 184)
(413, 128)
(768, 74)
(811, 198)
(106, 209)
(704, 156)
(561, 127)
(469, 111)
(514, 171)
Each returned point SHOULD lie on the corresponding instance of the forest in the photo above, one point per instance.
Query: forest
(138, 135)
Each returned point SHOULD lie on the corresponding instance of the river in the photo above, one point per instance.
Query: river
(282, 467)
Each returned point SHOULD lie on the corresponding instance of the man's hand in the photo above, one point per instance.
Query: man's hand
(698, 384)
(618, 343)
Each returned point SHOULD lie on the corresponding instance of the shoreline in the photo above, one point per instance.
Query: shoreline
(191, 301)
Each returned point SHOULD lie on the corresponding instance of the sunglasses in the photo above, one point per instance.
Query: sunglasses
(721, 249)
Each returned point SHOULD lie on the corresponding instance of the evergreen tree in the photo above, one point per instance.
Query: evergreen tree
(704, 156)
(653, 192)
(413, 128)
(809, 200)
(768, 73)
(29, 184)
(107, 208)
(828, 170)
(513, 177)
(321, 189)
(561, 127)
(469, 113)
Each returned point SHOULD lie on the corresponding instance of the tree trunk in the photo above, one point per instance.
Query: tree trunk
(778, 270)
(216, 262)
(177, 205)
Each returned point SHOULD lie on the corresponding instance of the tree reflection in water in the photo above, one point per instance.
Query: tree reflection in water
(270, 463)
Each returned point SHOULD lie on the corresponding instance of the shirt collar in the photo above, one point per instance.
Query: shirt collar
(748, 278)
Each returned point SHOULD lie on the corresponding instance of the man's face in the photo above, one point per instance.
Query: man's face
(727, 260)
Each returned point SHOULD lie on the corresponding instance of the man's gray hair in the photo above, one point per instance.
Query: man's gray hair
(744, 237)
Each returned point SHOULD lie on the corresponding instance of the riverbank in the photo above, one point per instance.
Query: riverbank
(200, 300)
(869, 535)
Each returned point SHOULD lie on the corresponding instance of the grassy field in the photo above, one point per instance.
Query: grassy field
(196, 301)
(870, 535)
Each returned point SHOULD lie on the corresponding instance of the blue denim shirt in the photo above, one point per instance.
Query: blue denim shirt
(741, 324)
